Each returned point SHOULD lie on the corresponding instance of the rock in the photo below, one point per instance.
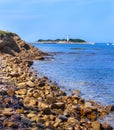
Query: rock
(42, 104)
(33, 103)
(112, 108)
(31, 115)
(92, 116)
(72, 120)
(14, 74)
(30, 84)
(48, 123)
(39, 58)
(7, 112)
(26, 100)
(76, 92)
(30, 92)
(96, 125)
(85, 111)
(35, 94)
(109, 108)
(21, 91)
(47, 111)
(21, 85)
(57, 122)
(8, 123)
(52, 117)
(21, 111)
(46, 117)
(70, 128)
(10, 92)
(58, 105)
(106, 126)
(63, 118)
(41, 84)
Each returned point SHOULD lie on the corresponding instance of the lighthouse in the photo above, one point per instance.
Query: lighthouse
(67, 39)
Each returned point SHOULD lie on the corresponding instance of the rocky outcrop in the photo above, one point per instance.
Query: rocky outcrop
(12, 44)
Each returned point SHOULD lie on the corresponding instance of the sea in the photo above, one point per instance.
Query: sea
(88, 68)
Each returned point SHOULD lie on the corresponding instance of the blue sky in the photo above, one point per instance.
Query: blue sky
(91, 20)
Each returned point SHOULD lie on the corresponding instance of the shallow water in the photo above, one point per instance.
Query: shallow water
(88, 68)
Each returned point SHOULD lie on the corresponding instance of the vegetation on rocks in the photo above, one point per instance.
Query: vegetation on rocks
(62, 40)
(31, 103)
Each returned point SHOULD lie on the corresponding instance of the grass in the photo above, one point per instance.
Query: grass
(6, 32)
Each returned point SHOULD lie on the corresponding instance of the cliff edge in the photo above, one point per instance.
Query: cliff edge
(11, 44)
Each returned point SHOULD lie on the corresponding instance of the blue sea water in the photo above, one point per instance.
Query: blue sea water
(88, 68)
(85, 67)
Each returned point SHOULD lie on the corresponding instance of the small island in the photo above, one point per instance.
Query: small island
(56, 41)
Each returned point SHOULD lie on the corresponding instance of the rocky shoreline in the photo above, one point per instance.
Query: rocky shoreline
(31, 103)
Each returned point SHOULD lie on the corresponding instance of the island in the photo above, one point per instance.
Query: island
(61, 41)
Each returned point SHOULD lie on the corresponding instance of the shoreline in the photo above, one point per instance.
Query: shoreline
(28, 93)
(32, 103)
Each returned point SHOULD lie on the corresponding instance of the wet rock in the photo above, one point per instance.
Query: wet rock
(106, 126)
(63, 118)
(76, 92)
(109, 108)
(39, 58)
(41, 84)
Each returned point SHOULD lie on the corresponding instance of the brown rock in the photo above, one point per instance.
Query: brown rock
(21, 91)
(39, 58)
(21, 111)
(11, 92)
(96, 125)
(26, 100)
(42, 104)
(30, 84)
(21, 85)
(33, 103)
(31, 115)
(8, 123)
(58, 105)
(52, 117)
(72, 120)
(7, 112)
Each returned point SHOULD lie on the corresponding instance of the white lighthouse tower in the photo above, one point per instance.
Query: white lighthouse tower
(67, 39)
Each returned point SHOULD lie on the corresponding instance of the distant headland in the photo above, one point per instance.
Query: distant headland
(56, 41)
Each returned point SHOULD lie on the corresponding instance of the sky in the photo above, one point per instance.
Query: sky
(91, 20)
